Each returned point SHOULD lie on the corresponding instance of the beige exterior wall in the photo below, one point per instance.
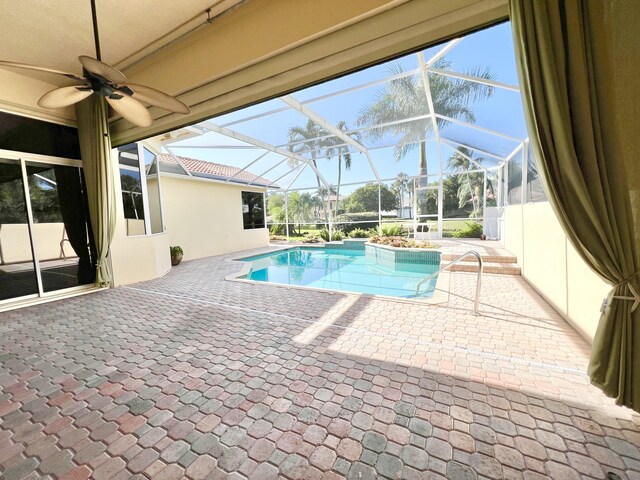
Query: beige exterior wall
(15, 246)
(552, 266)
(205, 217)
(139, 257)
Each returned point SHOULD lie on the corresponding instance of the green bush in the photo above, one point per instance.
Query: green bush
(392, 230)
(472, 230)
(336, 235)
(362, 233)
(347, 219)
(324, 234)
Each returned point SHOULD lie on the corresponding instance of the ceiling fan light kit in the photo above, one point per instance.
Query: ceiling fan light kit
(127, 99)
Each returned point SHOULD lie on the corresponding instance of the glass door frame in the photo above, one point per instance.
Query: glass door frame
(41, 296)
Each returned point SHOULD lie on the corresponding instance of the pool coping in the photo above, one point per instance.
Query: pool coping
(440, 292)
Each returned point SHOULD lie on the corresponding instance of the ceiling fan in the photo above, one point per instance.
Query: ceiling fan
(98, 78)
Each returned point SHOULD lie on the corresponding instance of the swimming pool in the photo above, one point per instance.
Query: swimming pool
(341, 269)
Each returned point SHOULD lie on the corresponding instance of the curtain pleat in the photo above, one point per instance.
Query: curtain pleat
(565, 63)
(95, 147)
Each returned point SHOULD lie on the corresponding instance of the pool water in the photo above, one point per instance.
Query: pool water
(343, 270)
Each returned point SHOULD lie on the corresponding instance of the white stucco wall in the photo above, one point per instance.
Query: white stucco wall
(205, 218)
(552, 266)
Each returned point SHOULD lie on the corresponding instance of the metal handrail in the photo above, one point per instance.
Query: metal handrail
(453, 262)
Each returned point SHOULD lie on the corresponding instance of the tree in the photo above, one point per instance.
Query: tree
(309, 140)
(301, 208)
(324, 194)
(365, 199)
(471, 190)
(276, 210)
(336, 146)
(400, 186)
(405, 97)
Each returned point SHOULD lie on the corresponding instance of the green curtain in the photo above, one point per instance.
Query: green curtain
(95, 147)
(567, 53)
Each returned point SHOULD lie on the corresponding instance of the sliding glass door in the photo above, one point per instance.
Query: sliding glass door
(17, 267)
(46, 243)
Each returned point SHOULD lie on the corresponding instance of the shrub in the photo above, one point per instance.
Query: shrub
(324, 234)
(362, 233)
(336, 235)
(401, 242)
(370, 219)
(176, 250)
(472, 230)
(392, 230)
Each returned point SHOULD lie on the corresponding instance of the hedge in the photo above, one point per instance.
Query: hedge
(370, 219)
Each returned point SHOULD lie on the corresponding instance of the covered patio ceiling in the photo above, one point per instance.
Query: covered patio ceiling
(465, 101)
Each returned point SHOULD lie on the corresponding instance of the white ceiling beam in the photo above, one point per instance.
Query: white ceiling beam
(478, 127)
(209, 125)
(472, 78)
(289, 172)
(230, 147)
(475, 149)
(296, 177)
(476, 163)
(267, 171)
(254, 117)
(427, 92)
(442, 52)
(515, 151)
(247, 166)
(331, 128)
(177, 159)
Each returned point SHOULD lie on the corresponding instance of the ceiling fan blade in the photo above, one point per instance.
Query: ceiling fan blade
(97, 67)
(132, 110)
(157, 98)
(4, 63)
(63, 97)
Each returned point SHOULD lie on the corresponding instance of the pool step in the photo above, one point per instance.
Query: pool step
(498, 264)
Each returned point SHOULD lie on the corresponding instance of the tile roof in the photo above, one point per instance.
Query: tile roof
(201, 168)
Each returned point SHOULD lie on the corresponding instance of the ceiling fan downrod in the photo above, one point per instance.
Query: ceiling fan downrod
(96, 36)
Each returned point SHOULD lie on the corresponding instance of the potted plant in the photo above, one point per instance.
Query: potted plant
(176, 255)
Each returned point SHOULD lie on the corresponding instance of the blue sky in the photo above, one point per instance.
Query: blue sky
(491, 48)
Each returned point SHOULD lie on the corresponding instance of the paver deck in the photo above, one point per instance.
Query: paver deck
(192, 376)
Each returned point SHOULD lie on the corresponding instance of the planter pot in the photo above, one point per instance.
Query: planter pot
(176, 260)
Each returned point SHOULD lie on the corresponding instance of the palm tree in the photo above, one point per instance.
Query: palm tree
(472, 187)
(405, 97)
(325, 194)
(400, 186)
(308, 140)
(336, 146)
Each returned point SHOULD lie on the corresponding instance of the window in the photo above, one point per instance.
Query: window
(253, 210)
(535, 191)
(140, 185)
(514, 182)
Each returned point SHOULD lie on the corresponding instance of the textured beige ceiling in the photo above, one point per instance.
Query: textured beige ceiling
(53, 33)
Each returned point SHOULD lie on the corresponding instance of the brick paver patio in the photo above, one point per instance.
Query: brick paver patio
(192, 376)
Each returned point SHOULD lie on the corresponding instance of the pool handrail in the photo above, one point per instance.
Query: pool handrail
(476, 303)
